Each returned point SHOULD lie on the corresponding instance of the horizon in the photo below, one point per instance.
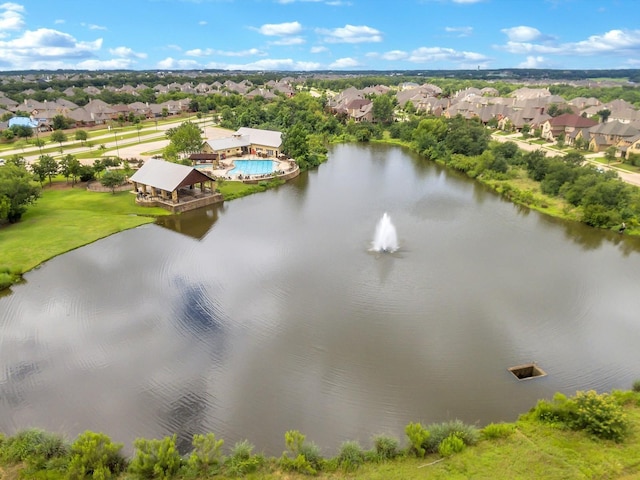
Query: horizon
(305, 36)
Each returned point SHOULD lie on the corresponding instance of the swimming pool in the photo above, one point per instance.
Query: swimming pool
(253, 167)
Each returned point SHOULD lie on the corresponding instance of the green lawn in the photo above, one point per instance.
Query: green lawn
(66, 219)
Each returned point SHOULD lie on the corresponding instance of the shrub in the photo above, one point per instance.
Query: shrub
(155, 458)
(351, 455)
(242, 461)
(450, 445)
(206, 454)
(636, 386)
(556, 411)
(93, 455)
(493, 431)
(418, 437)
(600, 415)
(33, 446)
(307, 457)
(439, 431)
(386, 447)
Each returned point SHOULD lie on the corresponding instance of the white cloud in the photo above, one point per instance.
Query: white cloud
(92, 26)
(113, 64)
(202, 22)
(467, 1)
(170, 63)
(11, 18)
(533, 62)
(344, 63)
(45, 44)
(521, 33)
(274, 64)
(288, 41)
(126, 52)
(614, 42)
(440, 54)
(208, 52)
(395, 55)
(58, 21)
(333, 3)
(351, 34)
(319, 49)
(460, 31)
(280, 29)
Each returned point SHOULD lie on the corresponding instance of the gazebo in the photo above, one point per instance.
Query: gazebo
(173, 186)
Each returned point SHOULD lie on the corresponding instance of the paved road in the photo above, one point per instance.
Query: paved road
(126, 148)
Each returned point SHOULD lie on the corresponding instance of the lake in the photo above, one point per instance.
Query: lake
(270, 313)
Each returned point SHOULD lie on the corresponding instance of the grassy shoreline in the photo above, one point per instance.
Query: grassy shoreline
(65, 219)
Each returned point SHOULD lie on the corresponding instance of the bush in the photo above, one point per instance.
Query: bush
(155, 458)
(93, 455)
(600, 415)
(307, 457)
(450, 445)
(242, 461)
(439, 431)
(636, 386)
(418, 437)
(494, 431)
(386, 447)
(351, 455)
(206, 456)
(33, 446)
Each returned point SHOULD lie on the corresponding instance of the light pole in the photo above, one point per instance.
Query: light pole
(115, 136)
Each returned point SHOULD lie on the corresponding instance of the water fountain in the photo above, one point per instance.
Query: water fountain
(385, 239)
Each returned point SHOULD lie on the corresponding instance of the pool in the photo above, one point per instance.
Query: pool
(253, 167)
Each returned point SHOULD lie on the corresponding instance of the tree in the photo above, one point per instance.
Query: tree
(70, 167)
(610, 154)
(58, 136)
(111, 179)
(16, 192)
(383, 108)
(46, 166)
(186, 138)
(81, 136)
(294, 144)
(59, 122)
(604, 114)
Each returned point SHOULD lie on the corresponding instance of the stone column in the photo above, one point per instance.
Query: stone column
(174, 196)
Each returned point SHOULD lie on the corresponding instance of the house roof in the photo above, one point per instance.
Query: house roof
(168, 176)
(268, 138)
(571, 120)
(23, 122)
(227, 143)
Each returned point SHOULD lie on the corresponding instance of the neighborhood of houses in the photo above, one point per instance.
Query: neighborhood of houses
(581, 124)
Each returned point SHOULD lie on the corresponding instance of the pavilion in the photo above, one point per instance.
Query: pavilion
(173, 186)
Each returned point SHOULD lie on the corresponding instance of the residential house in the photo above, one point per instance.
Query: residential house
(565, 124)
(610, 134)
(360, 109)
(246, 141)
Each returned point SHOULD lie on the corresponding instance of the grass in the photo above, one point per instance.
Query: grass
(65, 219)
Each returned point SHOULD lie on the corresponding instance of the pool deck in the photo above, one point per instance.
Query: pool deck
(286, 169)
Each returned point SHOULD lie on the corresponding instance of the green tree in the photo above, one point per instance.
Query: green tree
(610, 154)
(383, 108)
(58, 136)
(59, 122)
(45, 167)
(294, 144)
(186, 138)
(70, 167)
(112, 179)
(81, 136)
(604, 114)
(17, 191)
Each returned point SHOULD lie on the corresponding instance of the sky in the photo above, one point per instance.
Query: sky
(308, 35)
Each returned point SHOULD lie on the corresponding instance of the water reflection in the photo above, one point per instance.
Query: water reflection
(195, 223)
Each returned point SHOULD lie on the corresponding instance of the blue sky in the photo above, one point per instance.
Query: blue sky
(304, 35)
